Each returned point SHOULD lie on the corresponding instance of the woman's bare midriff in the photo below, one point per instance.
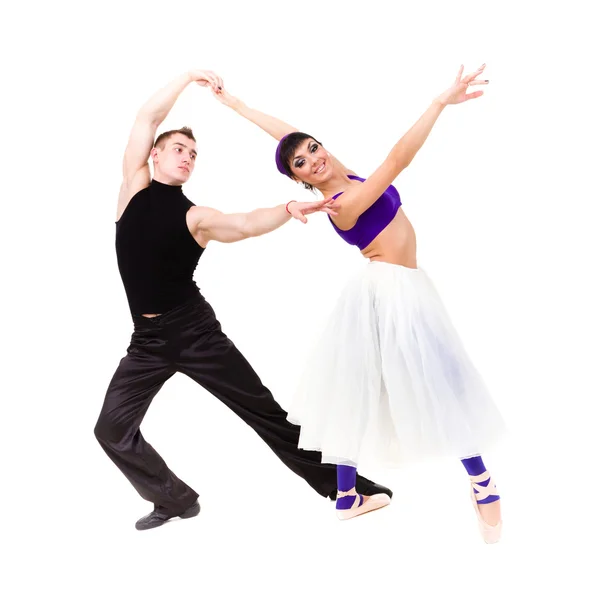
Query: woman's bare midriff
(396, 244)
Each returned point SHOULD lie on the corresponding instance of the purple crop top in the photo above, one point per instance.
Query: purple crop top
(374, 220)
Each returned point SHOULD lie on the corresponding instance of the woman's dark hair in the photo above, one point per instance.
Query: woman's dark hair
(287, 150)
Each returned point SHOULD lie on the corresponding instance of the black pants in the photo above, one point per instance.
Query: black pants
(189, 340)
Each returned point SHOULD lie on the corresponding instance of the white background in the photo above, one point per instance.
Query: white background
(504, 201)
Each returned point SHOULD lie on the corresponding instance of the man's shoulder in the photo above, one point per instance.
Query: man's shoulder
(202, 212)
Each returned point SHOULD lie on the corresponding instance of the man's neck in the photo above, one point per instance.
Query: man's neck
(158, 177)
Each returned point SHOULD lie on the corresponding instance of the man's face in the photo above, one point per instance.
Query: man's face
(176, 160)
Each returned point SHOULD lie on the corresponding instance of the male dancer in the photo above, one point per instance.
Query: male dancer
(160, 238)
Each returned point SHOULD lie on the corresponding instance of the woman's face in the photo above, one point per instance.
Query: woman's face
(311, 163)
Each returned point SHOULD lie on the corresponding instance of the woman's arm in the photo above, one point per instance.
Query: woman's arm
(357, 200)
(273, 126)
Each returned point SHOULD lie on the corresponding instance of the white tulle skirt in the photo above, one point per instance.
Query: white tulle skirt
(390, 383)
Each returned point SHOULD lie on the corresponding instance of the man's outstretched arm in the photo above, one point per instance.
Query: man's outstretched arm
(136, 171)
(210, 224)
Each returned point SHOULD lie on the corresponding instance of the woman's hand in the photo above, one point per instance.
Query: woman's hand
(223, 96)
(457, 93)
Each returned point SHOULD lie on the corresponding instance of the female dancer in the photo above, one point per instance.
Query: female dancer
(390, 379)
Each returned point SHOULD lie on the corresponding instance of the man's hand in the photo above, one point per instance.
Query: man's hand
(206, 78)
(299, 210)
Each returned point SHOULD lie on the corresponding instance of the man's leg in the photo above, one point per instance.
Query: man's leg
(216, 364)
(136, 381)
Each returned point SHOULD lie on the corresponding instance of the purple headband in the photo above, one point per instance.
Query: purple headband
(278, 161)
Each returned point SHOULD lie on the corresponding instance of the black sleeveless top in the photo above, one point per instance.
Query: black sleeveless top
(156, 253)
